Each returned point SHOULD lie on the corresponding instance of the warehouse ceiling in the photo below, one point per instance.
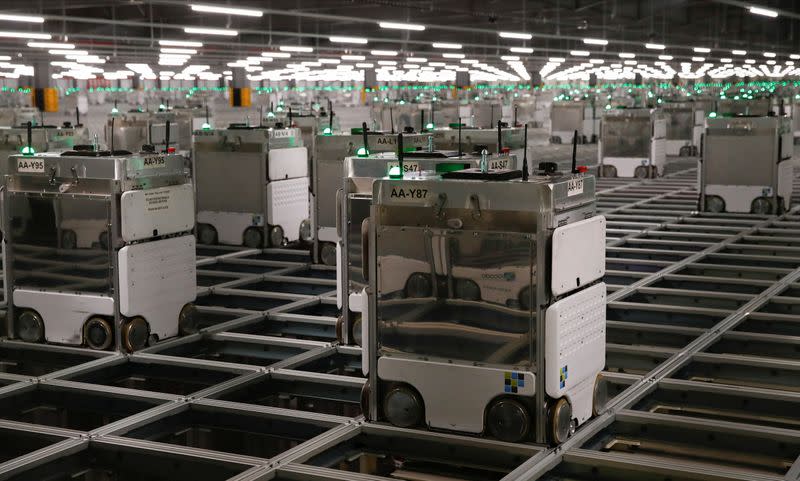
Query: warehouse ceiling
(126, 31)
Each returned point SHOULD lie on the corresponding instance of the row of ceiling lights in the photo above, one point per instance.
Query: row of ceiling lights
(171, 55)
(350, 39)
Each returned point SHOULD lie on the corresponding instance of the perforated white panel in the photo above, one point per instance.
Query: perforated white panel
(575, 344)
(156, 280)
(658, 154)
(288, 205)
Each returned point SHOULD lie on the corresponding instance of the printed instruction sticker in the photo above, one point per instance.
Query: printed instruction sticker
(157, 199)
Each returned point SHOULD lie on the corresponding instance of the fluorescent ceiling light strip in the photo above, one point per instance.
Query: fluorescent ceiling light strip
(655, 46)
(211, 31)
(763, 11)
(521, 49)
(295, 48)
(340, 39)
(20, 18)
(417, 59)
(516, 35)
(595, 41)
(402, 26)
(56, 45)
(29, 35)
(227, 10)
(179, 50)
(179, 43)
(701, 50)
(450, 46)
(384, 53)
(353, 57)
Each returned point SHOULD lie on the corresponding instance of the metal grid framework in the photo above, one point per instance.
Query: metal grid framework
(702, 371)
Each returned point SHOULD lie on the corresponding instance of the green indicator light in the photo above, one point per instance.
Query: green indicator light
(279, 109)
(394, 172)
(712, 115)
(206, 126)
(114, 110)
(429, 126)
(327, 131)
(270, 115)
(162, 107)
(447, 167)
(362, 152)
(608, 107)
(27, 150)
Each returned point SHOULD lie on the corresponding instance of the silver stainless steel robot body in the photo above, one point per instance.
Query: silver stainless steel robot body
(485, 309)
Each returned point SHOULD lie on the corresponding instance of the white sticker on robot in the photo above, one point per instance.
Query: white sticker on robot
(30, 165)
(498, 164)
(407, 166)
(408, 195)
(278, 134)
(154, 162)
(574, 187)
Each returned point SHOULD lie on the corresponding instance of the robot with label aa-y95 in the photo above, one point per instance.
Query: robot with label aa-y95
(99, 250)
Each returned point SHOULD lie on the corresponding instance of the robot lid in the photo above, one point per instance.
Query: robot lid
(91, 164)
(419, 163)
(241, 134)
(538, 195)
(632, 113)
(748, 122)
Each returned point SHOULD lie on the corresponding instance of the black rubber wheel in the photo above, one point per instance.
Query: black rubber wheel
(508, 420)
(560, 421)
(187, 320)
(714, 203)
(69, 239)
(327, 253)
(607, 171)
(98, 334)
(762, 206)
(600, 395)
(403, 406)
(135, 334)
(253, 238)
(103, 240)
(206, 234)
(642, 172)
(276, 236)
(30, 326)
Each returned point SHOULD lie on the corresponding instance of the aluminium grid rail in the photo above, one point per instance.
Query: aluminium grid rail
(703, 310)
